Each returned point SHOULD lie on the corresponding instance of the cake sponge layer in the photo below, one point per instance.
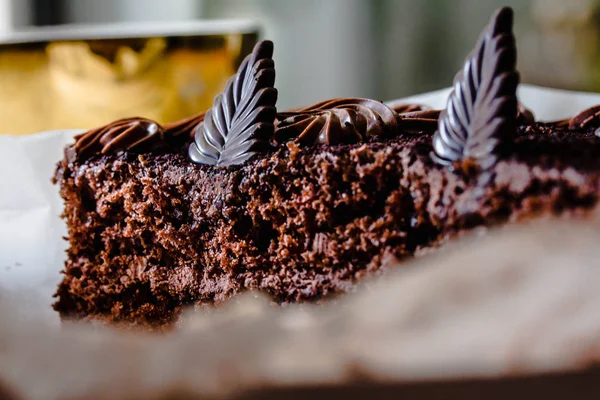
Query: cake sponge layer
(151, 233)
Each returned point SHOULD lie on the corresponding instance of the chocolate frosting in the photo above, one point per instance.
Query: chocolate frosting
(586, 118)
(336, 121)
(242, 117)
(524, 115)
(130, 134)
(185, 127)
(417, 118)
(483, 105)
(407, 108)
(423, 120)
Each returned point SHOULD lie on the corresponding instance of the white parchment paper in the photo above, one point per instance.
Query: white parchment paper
(31, 232)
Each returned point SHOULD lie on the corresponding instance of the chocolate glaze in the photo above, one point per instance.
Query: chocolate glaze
(483, 105)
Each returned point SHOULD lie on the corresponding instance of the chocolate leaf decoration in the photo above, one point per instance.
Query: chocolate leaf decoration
(483, 105)
(242, 117)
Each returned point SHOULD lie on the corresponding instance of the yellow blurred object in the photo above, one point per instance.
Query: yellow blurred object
(71, 83)
(564, 38)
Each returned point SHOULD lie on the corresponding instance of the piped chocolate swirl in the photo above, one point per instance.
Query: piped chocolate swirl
(586, 118)
(336, 121)
(421, 120)
(135, 135)
(130, 134)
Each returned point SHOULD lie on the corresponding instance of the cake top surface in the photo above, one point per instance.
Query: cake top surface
(478, 126)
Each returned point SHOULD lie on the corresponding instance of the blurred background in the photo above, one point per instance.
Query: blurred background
(383, 49)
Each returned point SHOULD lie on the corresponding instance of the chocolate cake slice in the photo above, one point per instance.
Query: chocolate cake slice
(305, 204)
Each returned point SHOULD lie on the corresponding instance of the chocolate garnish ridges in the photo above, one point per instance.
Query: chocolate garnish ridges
(241, 119)
(483, 105)
(336, 121)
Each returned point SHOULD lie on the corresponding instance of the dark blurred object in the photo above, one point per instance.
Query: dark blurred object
(48, 12)
(18, 14)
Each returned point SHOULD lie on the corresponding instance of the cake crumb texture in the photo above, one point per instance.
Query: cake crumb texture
(151, 233)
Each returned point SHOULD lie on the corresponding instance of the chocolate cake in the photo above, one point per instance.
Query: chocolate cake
(305, 204)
